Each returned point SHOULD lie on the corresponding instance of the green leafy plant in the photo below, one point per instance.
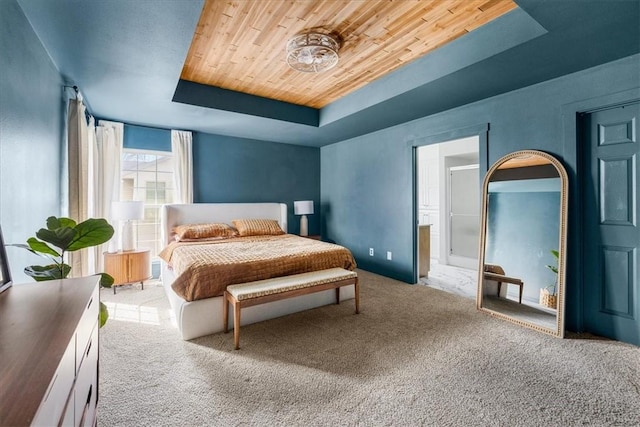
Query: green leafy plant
(64, 235)
(552, 288)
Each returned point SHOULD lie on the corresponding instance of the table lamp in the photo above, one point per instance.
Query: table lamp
(304, 208)
(126, 212)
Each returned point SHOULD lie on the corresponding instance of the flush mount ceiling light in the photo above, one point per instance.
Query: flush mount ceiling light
(312, 52)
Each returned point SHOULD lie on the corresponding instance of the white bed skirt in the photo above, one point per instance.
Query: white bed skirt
(204, 317)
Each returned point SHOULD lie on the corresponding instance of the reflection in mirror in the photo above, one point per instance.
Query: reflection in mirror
(522, 251)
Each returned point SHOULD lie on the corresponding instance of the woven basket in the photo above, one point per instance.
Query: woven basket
(547, 299)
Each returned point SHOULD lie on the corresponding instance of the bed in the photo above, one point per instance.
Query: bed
(197, 302)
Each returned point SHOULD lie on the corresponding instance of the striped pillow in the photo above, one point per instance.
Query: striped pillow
(257, 227)
(204, 231)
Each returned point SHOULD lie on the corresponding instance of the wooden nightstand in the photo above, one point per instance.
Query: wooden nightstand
(314, 237)
(128, 266)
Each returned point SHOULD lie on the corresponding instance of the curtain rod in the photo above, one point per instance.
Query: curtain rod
(80, 98)
(74, 87)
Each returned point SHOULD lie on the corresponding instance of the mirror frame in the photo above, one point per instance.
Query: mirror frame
(562, 243)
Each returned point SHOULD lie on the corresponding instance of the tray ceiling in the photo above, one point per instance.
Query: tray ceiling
(126, 57)
(240, 45)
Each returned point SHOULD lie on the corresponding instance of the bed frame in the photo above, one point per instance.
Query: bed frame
(203, 317)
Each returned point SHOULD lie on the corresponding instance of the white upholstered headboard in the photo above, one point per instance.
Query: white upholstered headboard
(202, 213)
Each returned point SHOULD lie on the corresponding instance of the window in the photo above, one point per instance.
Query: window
(156, 191)
(148, 176)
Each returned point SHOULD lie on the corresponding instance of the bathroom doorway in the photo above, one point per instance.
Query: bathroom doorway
(448, 204)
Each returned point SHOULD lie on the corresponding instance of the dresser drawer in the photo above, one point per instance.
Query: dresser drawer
(53, 405)
(90, 413)
(86, 388)
(85, 327)
(69, 412)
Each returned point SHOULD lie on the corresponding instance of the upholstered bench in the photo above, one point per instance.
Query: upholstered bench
(263, 291)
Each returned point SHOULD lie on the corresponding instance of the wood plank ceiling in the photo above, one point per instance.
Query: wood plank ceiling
(524, 161)
(241, 44)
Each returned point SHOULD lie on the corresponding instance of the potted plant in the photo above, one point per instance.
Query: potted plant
(64, 235)
(548, 296)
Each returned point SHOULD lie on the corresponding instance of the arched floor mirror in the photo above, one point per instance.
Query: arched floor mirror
(523, 241)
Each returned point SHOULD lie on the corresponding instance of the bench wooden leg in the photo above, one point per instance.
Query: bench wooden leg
(236, 324)
(338, 295)
(520, 301)
(225, 312)
(357, 293)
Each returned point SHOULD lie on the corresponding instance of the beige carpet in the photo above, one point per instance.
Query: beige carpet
(414, 356)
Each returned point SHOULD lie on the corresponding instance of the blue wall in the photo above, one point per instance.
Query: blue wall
(146, 138)
(511, 243)
(367, 181)
(228, 169)
(31, 128)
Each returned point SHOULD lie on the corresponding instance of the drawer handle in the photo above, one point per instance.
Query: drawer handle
(90, 302)
(85, 410)
(89, 348)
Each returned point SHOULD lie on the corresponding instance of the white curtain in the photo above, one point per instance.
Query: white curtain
(78, 169)
(109, 137)
(94, 178)
(181, 142)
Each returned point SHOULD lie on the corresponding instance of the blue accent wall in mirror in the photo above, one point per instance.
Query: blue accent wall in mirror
(506, 233)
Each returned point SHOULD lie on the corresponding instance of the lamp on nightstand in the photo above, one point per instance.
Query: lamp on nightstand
(304, 208)
(127, 212)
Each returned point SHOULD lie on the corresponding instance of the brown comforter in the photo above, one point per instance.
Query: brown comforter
(205, 269)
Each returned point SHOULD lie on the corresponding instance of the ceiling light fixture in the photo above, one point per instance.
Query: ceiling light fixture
(312, 52)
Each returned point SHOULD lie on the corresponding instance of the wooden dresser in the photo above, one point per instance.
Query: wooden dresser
(49, 353)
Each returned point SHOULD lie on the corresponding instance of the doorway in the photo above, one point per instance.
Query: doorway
(448, 208)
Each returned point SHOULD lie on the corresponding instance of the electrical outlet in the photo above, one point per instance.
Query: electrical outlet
(370, 251)
(389, 256)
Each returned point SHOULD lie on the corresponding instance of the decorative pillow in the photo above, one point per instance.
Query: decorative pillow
(204, 231)
(257, 227)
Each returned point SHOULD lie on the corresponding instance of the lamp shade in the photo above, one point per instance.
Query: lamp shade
(303, 207)
(126, 211)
